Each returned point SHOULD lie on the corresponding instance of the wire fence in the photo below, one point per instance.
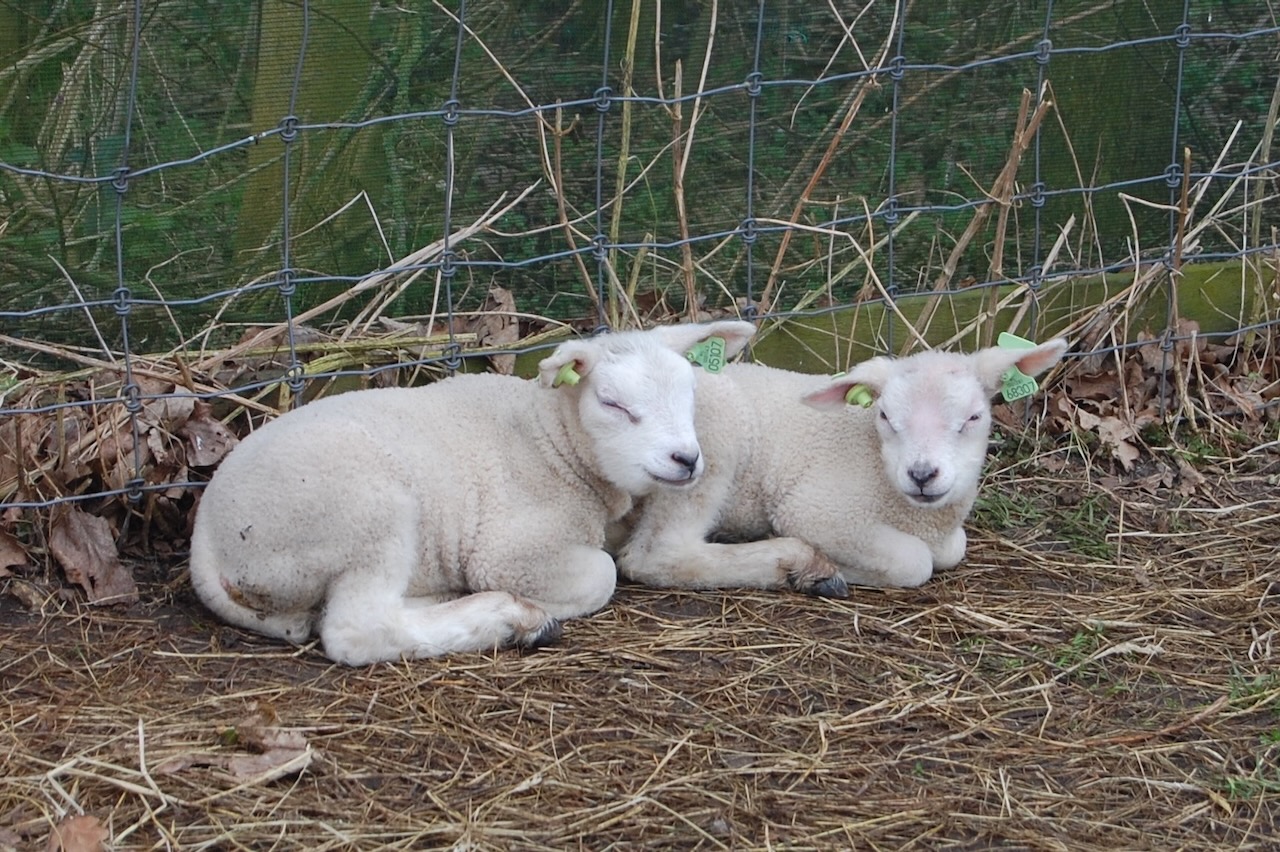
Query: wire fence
(830, 197)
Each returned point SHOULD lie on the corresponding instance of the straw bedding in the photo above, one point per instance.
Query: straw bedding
(1051, 693)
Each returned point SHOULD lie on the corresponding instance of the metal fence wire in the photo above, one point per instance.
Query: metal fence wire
(802, 162)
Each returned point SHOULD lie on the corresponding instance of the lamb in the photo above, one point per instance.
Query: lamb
(882, 486)
(465, 515)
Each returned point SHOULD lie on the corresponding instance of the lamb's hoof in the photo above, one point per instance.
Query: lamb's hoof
(548, 634)
(830, 587)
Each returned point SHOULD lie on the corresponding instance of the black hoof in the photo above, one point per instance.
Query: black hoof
(831, 587)
(547, 634)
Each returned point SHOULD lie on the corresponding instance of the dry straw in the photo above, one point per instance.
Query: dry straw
(1098, 675)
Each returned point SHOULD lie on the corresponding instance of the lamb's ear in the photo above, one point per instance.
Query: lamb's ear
(735, 334)
(992, 365)
(860, 386)
(568, 363)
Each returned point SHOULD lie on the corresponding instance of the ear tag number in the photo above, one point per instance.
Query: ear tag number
(1015, 384)
(859, 395)
(709, 354)
(566, 376)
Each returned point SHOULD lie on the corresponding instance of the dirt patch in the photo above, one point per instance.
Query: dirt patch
(1098, 674)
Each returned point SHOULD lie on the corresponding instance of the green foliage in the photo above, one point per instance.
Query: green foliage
(214, 75)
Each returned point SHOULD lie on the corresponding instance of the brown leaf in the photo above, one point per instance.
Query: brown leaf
(1116, 434)
(1189, 479)
(1105, 385)
(29, 595)
(269, 765)
(78, 834)
(169, 412)
(12, 553)
(83, 545)
(268, 750)
(496, 326)
(207, 439)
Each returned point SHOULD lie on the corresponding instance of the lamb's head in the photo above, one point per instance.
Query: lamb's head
(933, 413)
(635, 399)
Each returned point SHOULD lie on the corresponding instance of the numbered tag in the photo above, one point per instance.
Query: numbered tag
(1015, 384)
(709, 354)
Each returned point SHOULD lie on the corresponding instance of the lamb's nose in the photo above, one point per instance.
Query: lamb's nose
(688, 461)
(922, 475)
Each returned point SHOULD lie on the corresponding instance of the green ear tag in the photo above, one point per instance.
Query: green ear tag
(709, 354)
(1015, 384)
(859, 395)
(566, 376)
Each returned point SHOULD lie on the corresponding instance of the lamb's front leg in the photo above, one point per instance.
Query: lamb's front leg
(882, 556)
(669, 552)
(363, 624)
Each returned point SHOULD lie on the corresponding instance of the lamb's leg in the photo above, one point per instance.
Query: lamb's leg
(362, 625)
(567, 582)
(950, 553)
(666, 553)
(883, 556)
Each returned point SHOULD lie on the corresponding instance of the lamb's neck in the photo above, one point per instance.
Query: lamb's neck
(570, 456)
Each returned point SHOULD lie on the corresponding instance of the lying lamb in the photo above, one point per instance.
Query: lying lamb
(882, 486)
(464, 515)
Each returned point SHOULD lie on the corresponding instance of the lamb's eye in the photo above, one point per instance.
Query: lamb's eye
(973, 418)
(617, 406)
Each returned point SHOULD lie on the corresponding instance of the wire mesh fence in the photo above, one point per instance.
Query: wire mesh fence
(242, 207)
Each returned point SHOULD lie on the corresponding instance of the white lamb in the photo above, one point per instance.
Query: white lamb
(464, 515)
(882, 490)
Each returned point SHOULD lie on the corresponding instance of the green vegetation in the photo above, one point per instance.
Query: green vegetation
(216, 81)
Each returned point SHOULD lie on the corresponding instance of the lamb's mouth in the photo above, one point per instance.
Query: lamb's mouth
(678, 483)
(924, 499)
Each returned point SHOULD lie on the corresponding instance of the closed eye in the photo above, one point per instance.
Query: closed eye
(973, 418)
(617, 406)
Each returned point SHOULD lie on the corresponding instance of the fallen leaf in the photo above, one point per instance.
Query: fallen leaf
(1104, 385)
(208, 441)
(1115, 433)
(83, 545)
(1189, 479)
(268, 751)
(78, 834)
(12, 554)
(168, 412)
(29, 595)
(496, 327)
(269, 765)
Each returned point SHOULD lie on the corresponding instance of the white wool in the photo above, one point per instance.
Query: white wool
(802, 491)
(464, 515)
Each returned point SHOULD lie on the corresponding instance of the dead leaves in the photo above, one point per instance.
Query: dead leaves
(85, 547)
(12, 554)
(78, 834)
(495, 327)
(74, 448)
(1118, 396)
(265, 751)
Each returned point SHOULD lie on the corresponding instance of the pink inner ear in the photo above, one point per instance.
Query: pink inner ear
(832, 396)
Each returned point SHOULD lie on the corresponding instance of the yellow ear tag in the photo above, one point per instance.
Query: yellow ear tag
(859, 395)
(566, 376)
(709, 354)
(1015, 384)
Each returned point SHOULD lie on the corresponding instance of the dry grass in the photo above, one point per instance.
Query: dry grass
(1099, 674)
